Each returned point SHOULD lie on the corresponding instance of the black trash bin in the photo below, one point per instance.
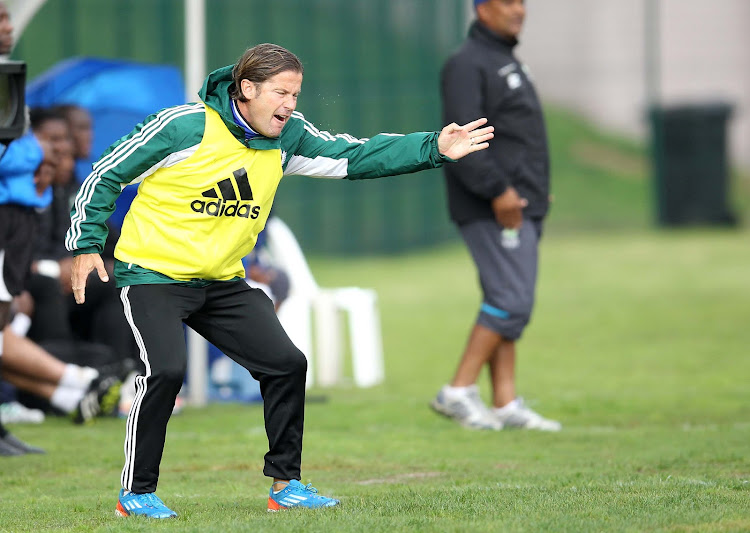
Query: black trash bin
(690, 164)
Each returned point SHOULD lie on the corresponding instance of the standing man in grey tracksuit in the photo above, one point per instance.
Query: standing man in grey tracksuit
(498, 198)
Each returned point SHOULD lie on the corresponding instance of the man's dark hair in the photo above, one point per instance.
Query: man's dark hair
(260, 63)
(66, 110)
(39, 115)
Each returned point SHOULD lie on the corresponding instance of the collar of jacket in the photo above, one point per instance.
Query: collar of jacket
(215, 94)
(482, 33)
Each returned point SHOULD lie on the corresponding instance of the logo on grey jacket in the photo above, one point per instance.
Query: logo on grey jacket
(514, 80)
(512, 77)
(225, 203)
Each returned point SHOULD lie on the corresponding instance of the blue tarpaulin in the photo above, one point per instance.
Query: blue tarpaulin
(118, 94)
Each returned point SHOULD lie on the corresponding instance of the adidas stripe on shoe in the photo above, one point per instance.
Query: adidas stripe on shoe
(295, 494)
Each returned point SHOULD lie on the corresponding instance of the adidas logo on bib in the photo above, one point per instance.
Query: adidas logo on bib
(225, 203)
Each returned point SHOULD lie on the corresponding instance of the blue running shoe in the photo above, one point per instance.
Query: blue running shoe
(295, 494)
(149, 504)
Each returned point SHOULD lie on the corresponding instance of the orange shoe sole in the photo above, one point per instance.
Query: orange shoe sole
(274, 506)
(120, 510)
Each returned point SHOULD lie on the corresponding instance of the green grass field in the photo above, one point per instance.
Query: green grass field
(639, 346)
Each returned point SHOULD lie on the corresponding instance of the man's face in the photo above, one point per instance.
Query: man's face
(80, 128)
(504, 17)
(65, 163)
(55, 131)
(6, 30)
(270, 104)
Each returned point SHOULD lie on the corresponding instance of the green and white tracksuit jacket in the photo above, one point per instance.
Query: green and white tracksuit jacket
(205, 191)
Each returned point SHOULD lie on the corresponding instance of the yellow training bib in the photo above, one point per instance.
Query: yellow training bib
(199, 218)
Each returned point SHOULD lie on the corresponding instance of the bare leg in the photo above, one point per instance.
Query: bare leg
(25, 383)
(503, 373)
(4, 320)
(481, 347)
(460, 400)
(4, 315)
(22, 356)
(508, 408)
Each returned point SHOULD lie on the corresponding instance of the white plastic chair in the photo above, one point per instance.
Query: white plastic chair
(309, 304)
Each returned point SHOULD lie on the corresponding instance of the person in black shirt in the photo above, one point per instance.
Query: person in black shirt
(498, 198)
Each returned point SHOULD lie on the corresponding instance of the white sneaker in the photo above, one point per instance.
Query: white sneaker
(517, 415)
(465, 407)
(16, 413)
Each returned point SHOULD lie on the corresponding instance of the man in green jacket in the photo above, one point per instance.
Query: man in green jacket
(208, 174)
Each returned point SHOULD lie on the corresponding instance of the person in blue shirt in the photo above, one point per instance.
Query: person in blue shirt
(26, 171)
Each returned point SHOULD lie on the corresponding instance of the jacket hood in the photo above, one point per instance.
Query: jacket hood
(215, 92)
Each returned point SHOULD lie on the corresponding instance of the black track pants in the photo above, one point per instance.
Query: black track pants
(241, 322)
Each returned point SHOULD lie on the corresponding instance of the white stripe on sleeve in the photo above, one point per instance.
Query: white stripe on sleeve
(318, 167)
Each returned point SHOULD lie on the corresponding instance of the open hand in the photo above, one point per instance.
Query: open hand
(83, 265)
(457, 141)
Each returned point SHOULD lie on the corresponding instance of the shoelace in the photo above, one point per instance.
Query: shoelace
(152, 500)
(309, 488)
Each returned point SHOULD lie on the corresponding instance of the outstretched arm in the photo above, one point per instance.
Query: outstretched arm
(312, 152)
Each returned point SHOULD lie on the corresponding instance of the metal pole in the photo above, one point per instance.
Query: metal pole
(468, 15)
(195, 72)
(654, 113)
(197, 369)
(652, 45)
(21, 13)
(195, 47)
